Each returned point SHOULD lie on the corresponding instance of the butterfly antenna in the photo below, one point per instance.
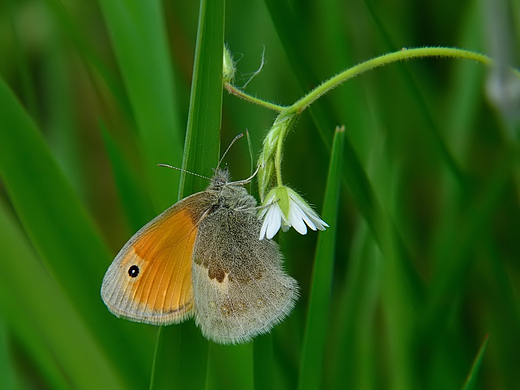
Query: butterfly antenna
(245, 181)
(229, 147)
(183, 170)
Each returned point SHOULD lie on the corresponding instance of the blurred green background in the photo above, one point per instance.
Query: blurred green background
(424, 239)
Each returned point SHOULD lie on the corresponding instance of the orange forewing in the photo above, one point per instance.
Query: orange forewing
(166, 283)
(163, 291)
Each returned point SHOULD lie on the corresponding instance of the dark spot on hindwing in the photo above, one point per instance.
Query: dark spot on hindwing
(133, 271)
(242, 276)
(216, 273)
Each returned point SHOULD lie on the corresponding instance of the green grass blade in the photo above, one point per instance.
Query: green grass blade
(138, 35)
(59, 228)
(7, 373)
(472, 228)
(132, 197)
(35, 348)
(471, 380)
(70, 28)
(230, 367)
(318, 314)
(353, 347)
(265, 368)
(202, 143)
(29, 292)
(23, 65)
(59, 126)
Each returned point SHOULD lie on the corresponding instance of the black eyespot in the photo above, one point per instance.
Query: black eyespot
(133, 271)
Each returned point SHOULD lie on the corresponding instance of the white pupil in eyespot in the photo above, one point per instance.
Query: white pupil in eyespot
(133, 271)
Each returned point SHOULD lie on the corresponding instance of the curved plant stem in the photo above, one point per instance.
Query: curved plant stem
(404, 54)
(385, 59)
(241, 94)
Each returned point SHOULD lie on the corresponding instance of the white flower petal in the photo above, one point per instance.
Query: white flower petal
(315, 220)
(273, 220)
(320, 224)
(269, 214)
(310, 213)
(263, 230)
(305, 217)
(296, 218)
(309, 216)
(308, 221)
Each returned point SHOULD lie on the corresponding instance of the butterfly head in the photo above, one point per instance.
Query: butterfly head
(220, 179)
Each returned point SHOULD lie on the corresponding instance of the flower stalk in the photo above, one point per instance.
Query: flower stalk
(282, 207)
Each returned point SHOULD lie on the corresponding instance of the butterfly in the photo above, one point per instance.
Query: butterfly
(202, 258)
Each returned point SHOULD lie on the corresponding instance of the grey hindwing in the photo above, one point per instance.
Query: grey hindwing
(240, 287)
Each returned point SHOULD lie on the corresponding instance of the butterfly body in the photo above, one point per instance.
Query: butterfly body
(202, 258)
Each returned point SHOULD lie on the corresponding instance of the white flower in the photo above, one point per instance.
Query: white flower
(284, 208)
